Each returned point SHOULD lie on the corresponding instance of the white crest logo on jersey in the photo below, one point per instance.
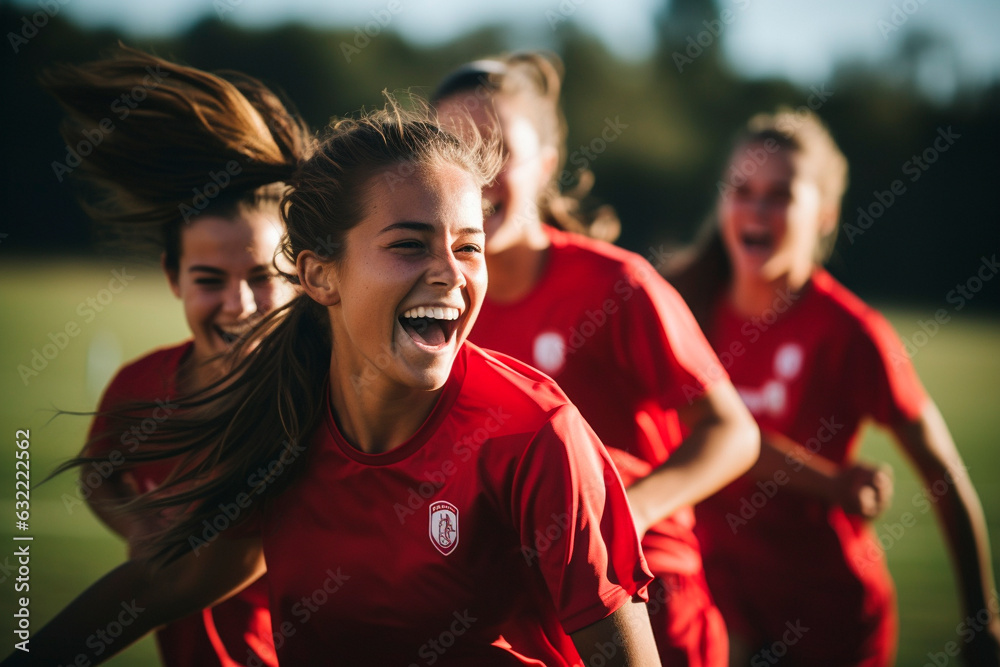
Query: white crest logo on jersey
(772, 397)
(550, 352)
(444, 526)
(788, 360)
(769, 399)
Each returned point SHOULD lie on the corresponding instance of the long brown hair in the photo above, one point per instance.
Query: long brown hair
(160, 143)
(244, 435)
(533, 80)
(704, 272)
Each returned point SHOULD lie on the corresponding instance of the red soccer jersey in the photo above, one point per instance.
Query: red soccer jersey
(625, 348)
(813, 370)
(235, 632)
(499, 527)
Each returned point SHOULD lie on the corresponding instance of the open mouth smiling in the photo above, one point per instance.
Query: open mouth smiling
(231, 333)
(757, 241)
(430, 326)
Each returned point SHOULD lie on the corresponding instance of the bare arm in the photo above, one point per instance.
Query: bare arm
(723, 443)
(135, 598)
(858, 488)
(112, 492)
(928, 443)
(623, 639)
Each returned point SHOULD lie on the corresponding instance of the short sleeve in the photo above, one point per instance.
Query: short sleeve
(574, 522)
(892, 391)
(661, 343)
(145, 384)
(103, 434)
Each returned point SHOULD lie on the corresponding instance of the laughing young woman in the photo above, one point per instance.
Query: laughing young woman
(418, 501)
(825, 365)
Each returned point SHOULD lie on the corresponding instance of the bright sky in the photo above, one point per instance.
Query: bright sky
(799, 39)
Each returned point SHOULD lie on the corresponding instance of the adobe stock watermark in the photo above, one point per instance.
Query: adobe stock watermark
(213, 187)
(551, 348)
(104, 637)
(327, 248)
(696, 44)
(779, 649)
(363, 35)
(92, 477)
(605, 652)
(462, 451)
(302, 611)
(889, 533)
(59, 340)
(753, 157)
(768, 488)
(898, 17)
(257, 481)
(958, 297)
(545, 537)
(31, 25)
(223, 7)
(402, 171)
(121, 107)
(587, 153)
(967, 630)
(661, 591)
(562, 13)
(435, 647)
(751, 332)
(915, 167)
(6, 569)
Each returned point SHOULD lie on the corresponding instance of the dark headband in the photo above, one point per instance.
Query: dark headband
(468, 76)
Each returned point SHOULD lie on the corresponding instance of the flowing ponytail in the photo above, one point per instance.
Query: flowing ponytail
(165, 143)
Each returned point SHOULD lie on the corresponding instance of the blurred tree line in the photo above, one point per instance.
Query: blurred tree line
(674, 115)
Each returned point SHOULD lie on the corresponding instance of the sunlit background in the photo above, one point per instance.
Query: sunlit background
(887, 75)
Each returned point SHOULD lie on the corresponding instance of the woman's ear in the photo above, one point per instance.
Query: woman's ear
(829, 215)
(318, 278)
(549, 156)
(172, 277)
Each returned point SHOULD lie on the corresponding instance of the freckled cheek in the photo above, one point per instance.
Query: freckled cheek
(476, 280)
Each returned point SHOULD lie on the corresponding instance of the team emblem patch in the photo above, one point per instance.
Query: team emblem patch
(788, 361)
(550, 352)
(444, 526)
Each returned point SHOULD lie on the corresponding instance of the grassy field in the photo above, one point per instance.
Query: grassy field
(960, 365)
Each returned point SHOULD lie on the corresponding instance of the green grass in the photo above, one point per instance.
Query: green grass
(960, 366)
(70, 548)
(961, 369)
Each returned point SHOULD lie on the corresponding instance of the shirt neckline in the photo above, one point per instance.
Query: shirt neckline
(726, 312)
(438, 414)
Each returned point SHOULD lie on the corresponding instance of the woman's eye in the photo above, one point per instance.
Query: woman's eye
(407, 245)
(780, 197)
(471, 248)
(208, 282)
(261, 279)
